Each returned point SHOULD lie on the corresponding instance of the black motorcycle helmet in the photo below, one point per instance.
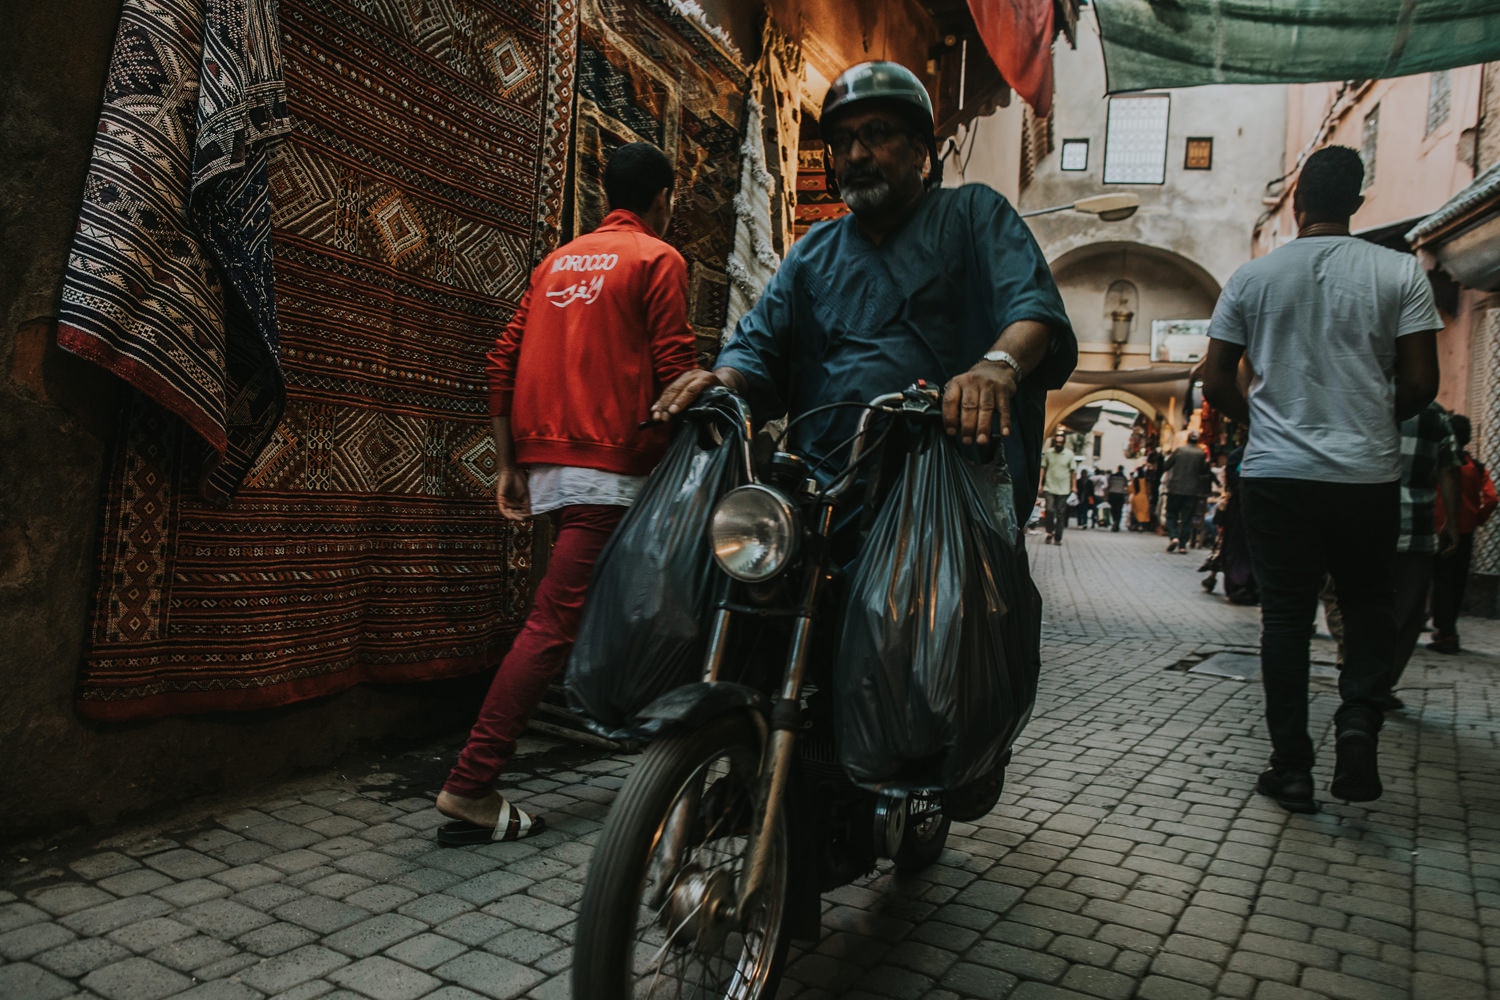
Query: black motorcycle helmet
(889, 85)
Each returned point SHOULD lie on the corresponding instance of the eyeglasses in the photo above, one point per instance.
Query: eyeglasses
(871, 135)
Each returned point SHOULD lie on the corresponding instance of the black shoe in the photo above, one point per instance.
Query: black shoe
(1388, 702)
(1355, 776)
(1291, 789)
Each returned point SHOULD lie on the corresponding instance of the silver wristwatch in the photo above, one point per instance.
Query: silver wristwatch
(1006, 358)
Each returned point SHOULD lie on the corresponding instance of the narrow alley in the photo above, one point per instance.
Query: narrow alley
(1128, 858)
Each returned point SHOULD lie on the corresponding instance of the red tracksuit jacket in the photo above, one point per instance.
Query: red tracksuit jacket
(600, 332)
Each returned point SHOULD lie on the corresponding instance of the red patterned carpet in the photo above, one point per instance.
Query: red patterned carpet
(422, 178)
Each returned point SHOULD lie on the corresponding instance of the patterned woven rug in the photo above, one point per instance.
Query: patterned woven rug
(169, 281)
(648, 73)
(422, 179)
(815, 203)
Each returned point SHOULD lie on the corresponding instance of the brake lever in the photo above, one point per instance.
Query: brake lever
(921, 399)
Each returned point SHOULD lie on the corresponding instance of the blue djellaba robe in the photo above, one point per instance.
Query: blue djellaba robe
(846, 320)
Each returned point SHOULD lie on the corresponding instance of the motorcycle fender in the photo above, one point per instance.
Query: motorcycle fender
(694, 704)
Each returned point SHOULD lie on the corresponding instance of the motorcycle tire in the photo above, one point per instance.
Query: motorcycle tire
(923, 840)
(679, 779)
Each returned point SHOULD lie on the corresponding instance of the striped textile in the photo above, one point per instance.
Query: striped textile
(169, 282)
(815, 202)
(422, 178)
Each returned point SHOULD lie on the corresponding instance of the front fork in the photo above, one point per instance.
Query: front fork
(786, 720)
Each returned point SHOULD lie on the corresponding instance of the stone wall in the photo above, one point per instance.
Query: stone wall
(1204, 216)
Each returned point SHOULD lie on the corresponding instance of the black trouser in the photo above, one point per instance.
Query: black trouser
(1411, 574)
(1450, 576)
(1057, 514)
(1180, 507)
(1299, 529)
(1116, 506)
(1082, 510)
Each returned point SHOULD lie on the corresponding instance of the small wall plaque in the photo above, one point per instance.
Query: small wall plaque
(1200, 153)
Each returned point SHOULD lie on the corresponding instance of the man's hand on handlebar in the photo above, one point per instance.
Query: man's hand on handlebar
(687, 387)
(973, 400)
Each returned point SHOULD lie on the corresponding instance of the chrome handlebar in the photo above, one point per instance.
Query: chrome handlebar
(916, 400)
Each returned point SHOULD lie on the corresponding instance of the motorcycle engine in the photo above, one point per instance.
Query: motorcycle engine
(840, 816)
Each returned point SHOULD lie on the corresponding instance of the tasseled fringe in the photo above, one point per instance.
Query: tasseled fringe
(690, 10)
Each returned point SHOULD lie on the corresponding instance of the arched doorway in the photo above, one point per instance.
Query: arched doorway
(1121, 295)
(1140, 313)
(1109, 427)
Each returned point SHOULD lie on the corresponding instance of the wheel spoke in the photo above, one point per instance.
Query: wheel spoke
(689, 862)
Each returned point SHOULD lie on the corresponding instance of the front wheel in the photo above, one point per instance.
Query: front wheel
(658, 913)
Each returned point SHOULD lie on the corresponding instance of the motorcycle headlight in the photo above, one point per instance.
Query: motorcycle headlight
(753, 532)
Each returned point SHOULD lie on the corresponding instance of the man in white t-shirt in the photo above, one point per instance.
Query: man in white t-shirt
(1341, 335)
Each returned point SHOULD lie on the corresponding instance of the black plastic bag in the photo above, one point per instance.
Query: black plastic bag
(654, 591)
(938, 661)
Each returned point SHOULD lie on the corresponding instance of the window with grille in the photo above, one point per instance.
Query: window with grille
(1036, 143)
(1135, 139)
(1367, 146)
(1439, 98)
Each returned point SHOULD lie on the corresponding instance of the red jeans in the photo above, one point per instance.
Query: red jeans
(539, 652)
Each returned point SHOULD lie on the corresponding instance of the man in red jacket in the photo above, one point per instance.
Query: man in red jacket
(600, 331)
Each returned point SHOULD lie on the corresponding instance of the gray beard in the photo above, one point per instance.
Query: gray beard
(868, 198)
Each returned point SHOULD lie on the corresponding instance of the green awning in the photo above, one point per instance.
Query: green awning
(1188, 43)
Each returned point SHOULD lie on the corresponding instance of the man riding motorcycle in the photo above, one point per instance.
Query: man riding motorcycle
(920, 282)
(743, 810)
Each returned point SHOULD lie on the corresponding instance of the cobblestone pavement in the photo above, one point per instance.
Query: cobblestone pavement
(1128, 859)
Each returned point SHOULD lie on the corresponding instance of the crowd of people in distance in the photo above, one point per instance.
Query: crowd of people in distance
(1175, 494)
(1192, 498)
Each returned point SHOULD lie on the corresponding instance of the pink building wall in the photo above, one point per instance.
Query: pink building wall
(1416, 171)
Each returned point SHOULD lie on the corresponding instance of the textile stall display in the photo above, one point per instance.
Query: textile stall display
(764, 207)
(421, 179)
(815, 202)
(648, 72)
(780, 75)
(1018, 35)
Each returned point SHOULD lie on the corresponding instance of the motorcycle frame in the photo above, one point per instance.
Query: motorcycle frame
(785, 714)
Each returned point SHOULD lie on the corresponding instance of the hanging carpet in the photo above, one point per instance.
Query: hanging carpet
(647, 73)
(420, 182)
(764, 207)
(169, 282)
(1186, 43)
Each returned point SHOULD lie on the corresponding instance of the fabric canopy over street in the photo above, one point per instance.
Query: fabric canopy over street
(1188, 43)
(1082, 419)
